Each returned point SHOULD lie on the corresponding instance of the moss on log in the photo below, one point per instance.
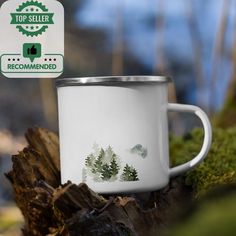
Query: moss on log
(219, 167)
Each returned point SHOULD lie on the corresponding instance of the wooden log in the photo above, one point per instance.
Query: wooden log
(50, 208)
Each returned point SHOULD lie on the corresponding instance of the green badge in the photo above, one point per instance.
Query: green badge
(32, 50)
(32, 18)
(32, 39)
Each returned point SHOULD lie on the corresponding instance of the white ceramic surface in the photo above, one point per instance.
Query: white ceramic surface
(114, 137)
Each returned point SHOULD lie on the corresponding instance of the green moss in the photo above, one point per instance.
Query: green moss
(213, 217)
(219, 167)
(6, 224)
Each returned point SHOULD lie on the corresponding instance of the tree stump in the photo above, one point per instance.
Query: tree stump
(50, 208)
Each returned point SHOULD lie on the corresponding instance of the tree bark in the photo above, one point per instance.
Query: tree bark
(50, 208)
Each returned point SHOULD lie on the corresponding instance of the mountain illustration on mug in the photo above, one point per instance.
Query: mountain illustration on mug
(139, 150)
(105, 165)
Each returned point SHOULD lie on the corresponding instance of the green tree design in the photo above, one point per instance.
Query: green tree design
(89, 160)
(99, 161)
(106, 172)
(114, 167)
(129, 174)
(110, 151)
(134, 175)
(125, 175)
(103, 165)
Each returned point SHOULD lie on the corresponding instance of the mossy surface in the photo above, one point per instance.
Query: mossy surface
(219, 167)
(6, 224)
(215, 216)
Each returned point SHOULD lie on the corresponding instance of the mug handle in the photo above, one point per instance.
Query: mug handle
(206, 142)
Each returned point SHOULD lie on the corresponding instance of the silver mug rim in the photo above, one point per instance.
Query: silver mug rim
(111, 80)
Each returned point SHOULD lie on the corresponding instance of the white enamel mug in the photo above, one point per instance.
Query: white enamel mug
(114, 133)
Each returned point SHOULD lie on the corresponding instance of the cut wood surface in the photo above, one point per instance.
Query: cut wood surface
(50, 208)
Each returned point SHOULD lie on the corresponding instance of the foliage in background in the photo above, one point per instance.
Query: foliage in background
(219, 167)
(213, 215)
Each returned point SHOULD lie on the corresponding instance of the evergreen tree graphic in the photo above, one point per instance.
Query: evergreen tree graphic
(129, 174)
(89, 160)
(114, 168)
(103, 165)
(99, 161)
(134, 175)
(106, 172)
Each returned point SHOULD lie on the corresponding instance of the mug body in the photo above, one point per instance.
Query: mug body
(114, 135)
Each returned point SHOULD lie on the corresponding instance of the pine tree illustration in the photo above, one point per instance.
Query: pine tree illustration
(99, 162)
(134, 175)
(114, 168)
(125, 174)
(89, 160)
(109, 151)
(102, 164)
(129, 174)
(106, 172)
